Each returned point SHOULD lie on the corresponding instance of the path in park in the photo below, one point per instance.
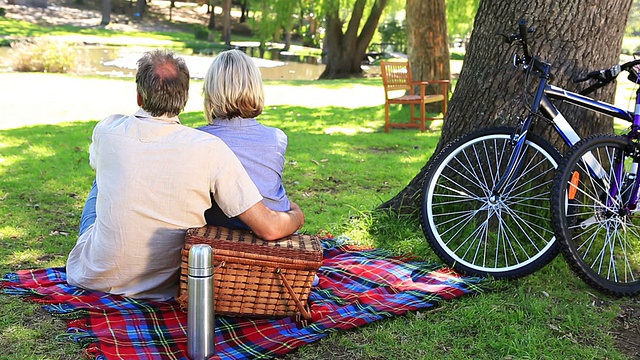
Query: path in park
(34, 98)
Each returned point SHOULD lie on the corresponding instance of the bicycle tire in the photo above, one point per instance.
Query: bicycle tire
(598, 236)
(475, 235)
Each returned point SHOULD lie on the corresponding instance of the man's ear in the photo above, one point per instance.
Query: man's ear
(139, 99)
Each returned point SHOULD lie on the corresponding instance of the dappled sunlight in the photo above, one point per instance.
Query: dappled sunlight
(348, 130)
(352, 97)
(39, 151)
(30, 256)
(10, 232)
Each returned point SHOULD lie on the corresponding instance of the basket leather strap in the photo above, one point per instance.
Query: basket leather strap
(305, 314)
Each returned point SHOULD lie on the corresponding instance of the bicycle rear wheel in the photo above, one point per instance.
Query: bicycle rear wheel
(598, 234)
(474, 232)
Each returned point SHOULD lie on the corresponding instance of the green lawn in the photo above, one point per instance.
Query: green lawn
(340, 166)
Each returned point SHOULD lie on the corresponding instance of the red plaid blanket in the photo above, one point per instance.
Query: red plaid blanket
(356, 287)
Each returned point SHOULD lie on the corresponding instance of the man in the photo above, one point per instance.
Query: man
(155, 177)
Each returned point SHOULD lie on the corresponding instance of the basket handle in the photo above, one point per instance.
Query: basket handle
(305, 314)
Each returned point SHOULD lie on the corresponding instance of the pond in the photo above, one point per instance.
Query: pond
(121, 62)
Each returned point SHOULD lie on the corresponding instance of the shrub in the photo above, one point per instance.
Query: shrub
(201, 33)
(3, 12)
(42, 54)
(394, 33)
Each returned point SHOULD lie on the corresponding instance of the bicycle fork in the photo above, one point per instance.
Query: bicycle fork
(520, 135)
(631, 203)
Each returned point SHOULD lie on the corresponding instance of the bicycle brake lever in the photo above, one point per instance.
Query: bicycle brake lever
(604, 75)
(509, 39)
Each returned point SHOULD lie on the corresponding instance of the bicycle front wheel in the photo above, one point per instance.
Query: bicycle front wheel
(598, 230)
(506, 235)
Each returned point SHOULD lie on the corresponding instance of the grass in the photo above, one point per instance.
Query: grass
(15, 29)
(340, 166)
(11, 29)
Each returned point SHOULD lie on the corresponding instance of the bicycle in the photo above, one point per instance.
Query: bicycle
(594, 206)
(485, 198)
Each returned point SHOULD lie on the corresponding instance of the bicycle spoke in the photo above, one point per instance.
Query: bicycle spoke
(470, 227)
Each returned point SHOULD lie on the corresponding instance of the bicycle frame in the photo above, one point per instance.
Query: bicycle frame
(542, 104)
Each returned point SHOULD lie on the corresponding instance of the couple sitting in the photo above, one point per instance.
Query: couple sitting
(155, 178)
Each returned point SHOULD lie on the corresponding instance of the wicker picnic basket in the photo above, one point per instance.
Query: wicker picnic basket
(254, 277)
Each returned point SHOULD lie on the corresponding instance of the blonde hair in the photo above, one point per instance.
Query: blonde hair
(233, 87)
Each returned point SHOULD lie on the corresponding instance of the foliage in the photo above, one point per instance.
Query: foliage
(201, 32)
(167, 39)
(633, 23)
(460, 17)
(42, 54)
(3, 11)
(265, 22)
(394, 32)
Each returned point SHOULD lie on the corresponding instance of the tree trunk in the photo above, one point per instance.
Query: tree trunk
(226, 27)
(428, 42)
(244, 11)
(344, 51)
(106, 12)
(575, 36)
(141, 6)
(211, 25)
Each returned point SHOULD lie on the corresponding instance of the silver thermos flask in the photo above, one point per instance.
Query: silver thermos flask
(200, 318)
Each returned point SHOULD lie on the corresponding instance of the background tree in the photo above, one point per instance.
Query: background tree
(460, 14)
(211, 10)
(275, 22)
(285, 11)
(428, 40)
(308, 22)
(633, 28)
(244, 10)
(106, 12)
(264, 24)
(345, 48)
(226, 23)
(141, 7)
(575, 36)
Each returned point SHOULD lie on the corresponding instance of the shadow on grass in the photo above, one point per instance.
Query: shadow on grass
(339, 162)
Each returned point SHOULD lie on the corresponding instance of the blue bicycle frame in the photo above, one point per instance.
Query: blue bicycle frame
(542, 103)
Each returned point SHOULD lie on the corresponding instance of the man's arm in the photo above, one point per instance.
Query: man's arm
(272, 225)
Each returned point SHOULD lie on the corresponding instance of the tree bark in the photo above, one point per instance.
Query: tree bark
(575, 36)
(211, 25)
(244, 11)
(141, 6)
(344, 51)
(226, 27)
(428, 42)
(106, 12)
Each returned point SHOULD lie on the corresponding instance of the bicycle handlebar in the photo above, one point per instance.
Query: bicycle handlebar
(522, 27)
(602, 77)
(606, 76)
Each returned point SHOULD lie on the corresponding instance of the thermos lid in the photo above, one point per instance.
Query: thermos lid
(200, 260)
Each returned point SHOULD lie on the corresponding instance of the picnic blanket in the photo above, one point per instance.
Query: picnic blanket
(357, 286)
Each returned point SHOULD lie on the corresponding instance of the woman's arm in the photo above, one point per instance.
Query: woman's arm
(272, 225)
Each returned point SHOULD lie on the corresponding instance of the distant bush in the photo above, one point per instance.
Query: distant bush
(394, 32)
(3, 12)
(201, 33)
(630, 45)
(42, 54)
(457, 55)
